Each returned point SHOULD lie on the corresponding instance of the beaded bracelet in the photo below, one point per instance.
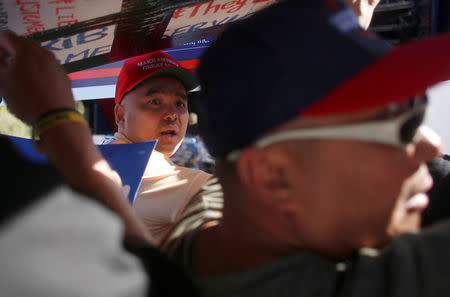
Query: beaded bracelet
(51, 119)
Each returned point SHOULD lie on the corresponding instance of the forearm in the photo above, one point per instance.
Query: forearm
(70, 148)
(45, 101)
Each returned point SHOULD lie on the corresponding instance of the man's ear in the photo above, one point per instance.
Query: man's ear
(119, 116)
(263, 172)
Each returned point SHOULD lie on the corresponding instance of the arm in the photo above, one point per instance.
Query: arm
(32, 83)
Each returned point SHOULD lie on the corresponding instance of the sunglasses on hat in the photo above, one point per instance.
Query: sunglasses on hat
(399, 130)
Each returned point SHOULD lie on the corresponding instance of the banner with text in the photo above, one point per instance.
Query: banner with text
(32, 16)
(82, 45)
(208, 14)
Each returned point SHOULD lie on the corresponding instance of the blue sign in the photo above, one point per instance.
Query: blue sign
(129, 159)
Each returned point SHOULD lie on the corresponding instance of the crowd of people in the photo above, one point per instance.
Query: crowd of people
(321, 168)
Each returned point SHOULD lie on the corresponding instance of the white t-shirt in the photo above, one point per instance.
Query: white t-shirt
(67, 245)
(164, 191)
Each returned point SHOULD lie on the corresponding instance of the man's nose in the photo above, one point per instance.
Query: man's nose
(170, 113)
(429, 145)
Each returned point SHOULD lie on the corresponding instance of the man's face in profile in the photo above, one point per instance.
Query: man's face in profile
(356, 193)
(156, 109)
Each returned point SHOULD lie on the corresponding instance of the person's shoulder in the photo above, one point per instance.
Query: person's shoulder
(199, 172)
(193, 173)
(204, 207)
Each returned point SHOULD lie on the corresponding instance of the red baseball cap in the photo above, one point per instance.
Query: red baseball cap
(154, 64)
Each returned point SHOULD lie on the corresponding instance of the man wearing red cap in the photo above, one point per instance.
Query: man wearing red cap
(151, 103)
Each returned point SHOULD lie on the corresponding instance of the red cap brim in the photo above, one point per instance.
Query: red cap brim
(406, 71)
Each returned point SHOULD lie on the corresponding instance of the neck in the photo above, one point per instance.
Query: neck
(214, 255)
(122, 137)
(231, 246)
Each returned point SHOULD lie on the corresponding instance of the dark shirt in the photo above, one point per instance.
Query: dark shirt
(24, 183)
(439, 207)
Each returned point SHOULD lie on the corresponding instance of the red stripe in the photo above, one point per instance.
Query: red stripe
(111, 72)
(189, 64)
(86, 74)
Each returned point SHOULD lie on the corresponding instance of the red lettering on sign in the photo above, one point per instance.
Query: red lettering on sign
(61, 1)
(58, 9)
(234, 6)
(215, 7)
(32, 7)
(261, 1)
(60, 17)
(63, 23)
(64, 13)
(196, 8)
(30, 15)
(178, 13)
(34, 28)
(211, 6)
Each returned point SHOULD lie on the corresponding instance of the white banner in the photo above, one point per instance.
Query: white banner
(31, 16)
(82, 45)
(209, 14)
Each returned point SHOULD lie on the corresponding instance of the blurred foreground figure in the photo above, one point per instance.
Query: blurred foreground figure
(55, 240)
(316, 126)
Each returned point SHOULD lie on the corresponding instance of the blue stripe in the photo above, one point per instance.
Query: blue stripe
(101, 81)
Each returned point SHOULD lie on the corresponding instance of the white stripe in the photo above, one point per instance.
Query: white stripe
(98, 92)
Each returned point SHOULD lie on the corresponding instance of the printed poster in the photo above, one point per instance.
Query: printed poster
(31, 16)
(82, 45)
(208, 14)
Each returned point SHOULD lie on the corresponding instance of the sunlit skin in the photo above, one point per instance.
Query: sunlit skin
(364, 10)
(353, 192)
(327, 196)
(156, 109)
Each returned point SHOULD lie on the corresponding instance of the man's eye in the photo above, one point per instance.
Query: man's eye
(181, 104)
(155, 101)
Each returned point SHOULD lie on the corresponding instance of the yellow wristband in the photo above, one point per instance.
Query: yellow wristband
(52, 119)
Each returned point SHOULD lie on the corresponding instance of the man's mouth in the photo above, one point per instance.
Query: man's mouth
(169, 132)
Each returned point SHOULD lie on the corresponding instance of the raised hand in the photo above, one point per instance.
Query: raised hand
(31, 80)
